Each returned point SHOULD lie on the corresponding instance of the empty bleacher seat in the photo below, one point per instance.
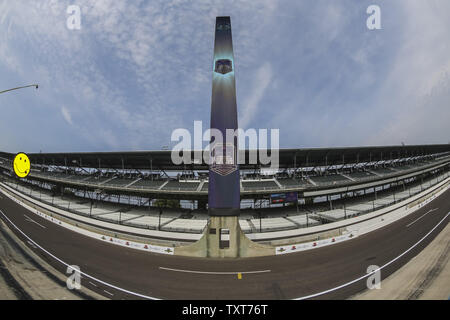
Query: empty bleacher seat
(119, 182)
(360, 175)
(181, 185)
(147, 184)
(329, 179)
(291, 183)
(259, 185)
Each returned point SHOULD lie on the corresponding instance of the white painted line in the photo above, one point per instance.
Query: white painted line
(93, 284)
(31, 220)
(108, 293)
(82, 273)
(408, 225)
(214, 272)
(382, 267)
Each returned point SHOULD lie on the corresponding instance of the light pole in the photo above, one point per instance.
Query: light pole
(31, 85)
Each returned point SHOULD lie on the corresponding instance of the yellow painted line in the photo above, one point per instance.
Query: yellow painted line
(239, 276)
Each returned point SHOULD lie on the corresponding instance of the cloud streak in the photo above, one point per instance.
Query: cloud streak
(66, 115)
(261, 82)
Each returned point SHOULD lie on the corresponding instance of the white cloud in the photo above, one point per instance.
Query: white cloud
(137, 70)
(66, 115)
(250, 105)
(157, 51)
(416, 92)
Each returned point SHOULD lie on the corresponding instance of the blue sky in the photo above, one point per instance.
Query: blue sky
(137, 70)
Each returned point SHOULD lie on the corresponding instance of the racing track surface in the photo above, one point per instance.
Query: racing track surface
(291, 276)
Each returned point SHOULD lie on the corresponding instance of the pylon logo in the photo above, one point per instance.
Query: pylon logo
(223, 66)
(223, 159)
(223, 27)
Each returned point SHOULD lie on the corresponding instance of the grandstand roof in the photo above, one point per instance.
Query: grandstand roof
(288, 158)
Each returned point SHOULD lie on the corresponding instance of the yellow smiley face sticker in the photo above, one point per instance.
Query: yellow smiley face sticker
(22, 165)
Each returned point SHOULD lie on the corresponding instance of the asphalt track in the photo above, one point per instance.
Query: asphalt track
(289, 276)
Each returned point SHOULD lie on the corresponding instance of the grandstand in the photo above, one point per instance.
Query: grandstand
(144, 190)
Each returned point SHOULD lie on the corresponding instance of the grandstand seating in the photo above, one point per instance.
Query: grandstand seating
(259, 185)
(147, 184)
(119, 182)
(383, 171)
(96, 179)
(358, 175)
(337, 214)
(183, 225)
(147, 221)
(181, 185)
(247, 226)
(273, 224)
(182, 220)
(363, 207)
(302, 221)
(329, 179)
(77, 177)
(287, 183)
(50, 174)
(407, 167)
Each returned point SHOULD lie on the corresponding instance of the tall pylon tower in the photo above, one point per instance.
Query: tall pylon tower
(223, 237)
